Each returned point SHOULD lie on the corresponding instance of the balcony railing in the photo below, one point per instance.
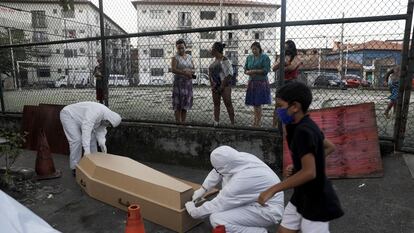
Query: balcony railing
(231, 22)
(42, 51)
(184, 23)
(232, 43)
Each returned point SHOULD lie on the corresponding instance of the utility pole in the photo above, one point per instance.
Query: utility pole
(12, 58)
(105, 74)
(221, 20)
(340, 48)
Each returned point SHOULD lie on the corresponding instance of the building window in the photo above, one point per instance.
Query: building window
(208, 35)
(80, 10)
(246, 14)
(184, 19)
(54, 11)
(246, 51)
(231, 19)
(40, 37)
(70, 33)
(205, 53)
(157, 71)
(43, 72)
(82, 31)
(156, 14)
(204, 71)
(59, 71)
(82, 50)
(157, 52)
(258, 16)
(57, 51)
(68, 14)
(70, 53)
(39, 19)
(258, 35)
(207, 15)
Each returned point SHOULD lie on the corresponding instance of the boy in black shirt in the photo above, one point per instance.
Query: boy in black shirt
(314, 202)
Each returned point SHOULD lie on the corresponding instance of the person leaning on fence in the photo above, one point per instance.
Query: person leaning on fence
(292, 62)
(99, 81)
(221, 81)
(292, 65)
(314, 202)
(182, 67)
(257, 66)
(392, 79)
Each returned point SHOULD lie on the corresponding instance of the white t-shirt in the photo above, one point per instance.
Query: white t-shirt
(227, 68)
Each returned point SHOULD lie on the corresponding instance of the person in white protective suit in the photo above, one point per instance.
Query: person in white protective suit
(85, 124)
(15, 218)
(243, 177)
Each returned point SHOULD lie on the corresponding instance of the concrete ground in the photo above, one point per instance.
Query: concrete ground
(372, 205)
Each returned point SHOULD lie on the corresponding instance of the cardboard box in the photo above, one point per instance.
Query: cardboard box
(121, 181)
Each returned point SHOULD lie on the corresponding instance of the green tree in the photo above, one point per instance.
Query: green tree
(20, 53)
(66, 4)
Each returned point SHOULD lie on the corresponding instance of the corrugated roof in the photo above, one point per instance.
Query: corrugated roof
(206, 2)
(312, 63)
(370, 45)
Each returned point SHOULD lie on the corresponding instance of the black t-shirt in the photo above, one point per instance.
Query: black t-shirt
(315, 200)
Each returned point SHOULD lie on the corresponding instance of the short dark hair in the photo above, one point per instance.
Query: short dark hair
(296, 92)
(257, 45)
(180, 41)
(219, 47)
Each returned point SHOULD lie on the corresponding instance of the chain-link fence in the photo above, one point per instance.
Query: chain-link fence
(345, 51)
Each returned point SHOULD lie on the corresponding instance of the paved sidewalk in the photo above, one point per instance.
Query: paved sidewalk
(379, 205)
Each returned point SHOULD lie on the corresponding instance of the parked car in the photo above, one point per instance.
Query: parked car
(75, 80)
(157, 82)
(118, 80)
(201, 79)
(329, 80)
(354, 81)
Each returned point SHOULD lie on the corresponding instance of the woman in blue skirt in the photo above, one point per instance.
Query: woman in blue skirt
(258, 89)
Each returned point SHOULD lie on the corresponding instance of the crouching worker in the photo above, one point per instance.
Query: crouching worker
(243, 177)
(84, 124)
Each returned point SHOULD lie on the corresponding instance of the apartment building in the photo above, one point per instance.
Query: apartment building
(160, 15)
(46, 21)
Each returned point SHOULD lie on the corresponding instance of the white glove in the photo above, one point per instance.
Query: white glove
(103, 148)
(199, 193)
(190, 206)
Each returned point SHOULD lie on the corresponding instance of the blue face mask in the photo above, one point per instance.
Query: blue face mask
(284, 116)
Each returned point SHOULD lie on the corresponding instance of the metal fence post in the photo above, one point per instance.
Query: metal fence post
(402, 111)
(105, 74)
(1, 96)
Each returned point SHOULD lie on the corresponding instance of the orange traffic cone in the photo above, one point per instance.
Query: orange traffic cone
(219, 229)
(134, 222)
(45, 168)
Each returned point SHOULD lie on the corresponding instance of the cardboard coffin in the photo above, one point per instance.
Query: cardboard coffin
(121, 181)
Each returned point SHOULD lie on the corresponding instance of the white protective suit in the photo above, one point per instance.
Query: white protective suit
(15, 218)
(236, 207)
(83, 126)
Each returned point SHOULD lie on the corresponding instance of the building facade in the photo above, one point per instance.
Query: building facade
(159, 15)
(46, 21)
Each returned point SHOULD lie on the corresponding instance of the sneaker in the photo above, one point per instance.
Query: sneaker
(216, 123)
(74, 172)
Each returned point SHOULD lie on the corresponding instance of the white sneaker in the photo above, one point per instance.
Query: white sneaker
(216, 123)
